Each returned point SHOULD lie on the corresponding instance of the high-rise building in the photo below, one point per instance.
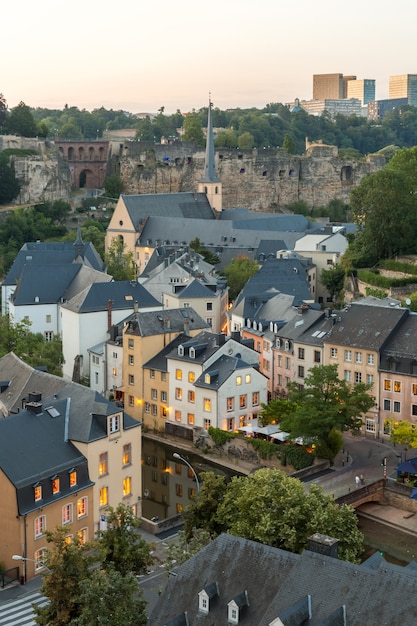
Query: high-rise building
(363, 89)
(404, 86)
(346, 80)
(327, 86)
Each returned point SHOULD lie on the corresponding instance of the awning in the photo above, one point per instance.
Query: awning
(269, 430)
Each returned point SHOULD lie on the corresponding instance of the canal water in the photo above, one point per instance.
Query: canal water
(168, 485)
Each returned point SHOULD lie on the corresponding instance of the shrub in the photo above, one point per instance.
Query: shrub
(265, 449)
(219, 436)
(298, 456)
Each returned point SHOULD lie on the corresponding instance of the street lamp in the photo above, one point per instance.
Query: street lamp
(18, 557)
(181, 458)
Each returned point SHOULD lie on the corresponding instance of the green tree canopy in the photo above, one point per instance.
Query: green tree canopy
(9, 185)
(208, 255)
(201, 511)
(113, 186)
(404, 433)
(289, 144)
(120, 264)
(333, 279)
(238, 272)
(193, 130)
(21, 121)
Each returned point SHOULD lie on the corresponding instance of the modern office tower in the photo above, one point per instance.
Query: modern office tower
(363, 89)
(346, 80)
(377, 109)
(404, 86)
(327, 86)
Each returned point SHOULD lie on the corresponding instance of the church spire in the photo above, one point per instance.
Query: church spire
(78, 244)
(209, 183)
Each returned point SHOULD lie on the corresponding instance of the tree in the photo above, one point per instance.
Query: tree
(9, 185)
(113, 186)
(404, 433)
(333, 279)
(68, 566)
(208, 255)
(193, 130)
(246, 141)
(57, 211)
(289, 144)
(238, 272)
(325, 404)
(200, 513)
(120, 264)
(121, 547)
(181, 550)
(272, 508)
(21, 121)
(3, 110)
(110, 599)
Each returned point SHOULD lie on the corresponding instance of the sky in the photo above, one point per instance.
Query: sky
(141, 55)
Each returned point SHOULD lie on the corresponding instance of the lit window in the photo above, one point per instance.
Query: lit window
(68, 539)
(255, 398)
(387, 385)
(73, 478)
(179, 507)
(178, 393)
(104, 496)
(414, 391)
(81, 507)
(127, 486)
(82, 534)
(190, 418)
(67, 513)
(177, 416)
(55, 485)
(191, 377)
(102, 464)
(40, 556)
(178, 374)
(127, 454)
(191, 396)
(114, 423)
(40, 525)
(248, 379)
(397, 386)
(230, 403)
(114, 371)
(178, 490)
(207, 424)
(242, 401)
(238, 380)
(37, 492)
(207, 404)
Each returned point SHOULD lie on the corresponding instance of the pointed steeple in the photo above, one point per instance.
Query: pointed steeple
(78, 244)
(209, 183)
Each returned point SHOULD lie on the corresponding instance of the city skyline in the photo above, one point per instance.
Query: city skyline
(149, 56)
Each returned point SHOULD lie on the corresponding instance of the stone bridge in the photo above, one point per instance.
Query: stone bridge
(87, 160)
(382, 491)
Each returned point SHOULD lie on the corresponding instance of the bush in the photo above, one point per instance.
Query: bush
(219, 436)
(298, 456)
(265, 449)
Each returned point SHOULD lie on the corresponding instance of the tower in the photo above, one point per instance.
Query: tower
(209, 183)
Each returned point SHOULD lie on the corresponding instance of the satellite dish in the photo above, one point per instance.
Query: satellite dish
(408, 302)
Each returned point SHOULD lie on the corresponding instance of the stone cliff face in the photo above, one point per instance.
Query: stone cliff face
(261, 180)
(43, 175)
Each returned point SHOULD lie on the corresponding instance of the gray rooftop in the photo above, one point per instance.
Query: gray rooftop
(180, 205)
(150, 323)
(123, 294)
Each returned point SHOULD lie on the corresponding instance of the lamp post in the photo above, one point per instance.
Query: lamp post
(181, 458)
(18, 557)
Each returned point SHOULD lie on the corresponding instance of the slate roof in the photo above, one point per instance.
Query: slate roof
(400, 351)
(277, 584)
(195, 289)
(149, 323)
(364, 326)
(299, 324)
(159, 361)
(47, 253)
(123, 294)
(186, 204)
(220, 370)
(205, 344)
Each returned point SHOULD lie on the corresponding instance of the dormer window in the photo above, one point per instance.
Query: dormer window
(287, 346)
(207, 596)
(55, 485)
(278, 342)
(236, 607)
(207, 379)
(192, 352)
(180, 350)
(37, 492)
(73, 478)
(114, 423)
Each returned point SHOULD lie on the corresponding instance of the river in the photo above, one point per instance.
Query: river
(168, 484)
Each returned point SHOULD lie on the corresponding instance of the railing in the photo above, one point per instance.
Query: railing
(9, 576)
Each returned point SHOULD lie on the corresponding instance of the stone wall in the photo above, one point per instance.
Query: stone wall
(261, 180)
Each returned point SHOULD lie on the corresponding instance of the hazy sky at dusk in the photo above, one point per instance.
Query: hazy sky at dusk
(139, 55)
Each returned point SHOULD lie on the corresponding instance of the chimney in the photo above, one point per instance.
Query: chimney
(187, 327)
(323, 544)
(136, 306)
(34, 407)
(35, 396)
(109, 314)
(167, 323)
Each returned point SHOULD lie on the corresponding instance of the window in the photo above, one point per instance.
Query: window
(370, 359)
(333, 353)
(414, 409)
(178, 393)
(114, 423)
(242, 401)
(104, 496)
(114, 355)
(191, 377)
(154, 394)
(130, 344)
(114, 371)
(414, 389)
(49, 335)
(163, 396)
(287, 363)
(177, 416)
(67, 514)
(40, 525)
(178, 490)
(358, 357)
(179, 507)
(127, 486)
(190, 419)
(48, 319)
(131, 400)
(348, 355)
(255, 398)
(209, 306)
(209, 321)
(191, 396)
(207, 404)
(248, 379)
(154, 476)
(191, 492)
(163, 376)
(131, 359)
(37, 492)
(154, 409)
(347, 376)
(301, 353)
(152, 373)
(178, 374)
(387, 405)
(127, 454)
(301, 371)
(358, 377)
(207, 423)
(370, 379)
(370, 425)
(397, 407)
(230, 423)
(397, 386)
(73, 478)
(83, 535)
(317, 356)
(131, 379)
(238, 380)
(81, 507)
(387, 385)
(147, 407)
(40, 556)
(55, 485)
(102, 464)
